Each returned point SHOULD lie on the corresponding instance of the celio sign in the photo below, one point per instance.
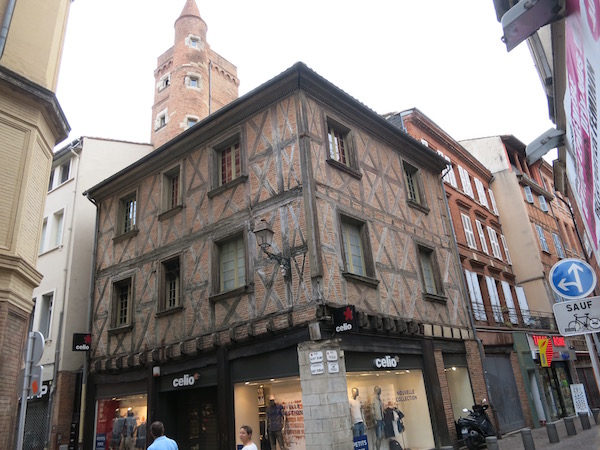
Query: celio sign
(185, 381)
(386, 362)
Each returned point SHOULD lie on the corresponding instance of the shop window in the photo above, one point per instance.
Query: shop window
(232, 264)
(170, 293)
(460, 388)
(432, 283)
(121, 422)
(122, 303)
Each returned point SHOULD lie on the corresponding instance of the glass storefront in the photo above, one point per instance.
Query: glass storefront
(405, 412)
(121, 423)
(252, 400)
(461, 393)
(556, 388)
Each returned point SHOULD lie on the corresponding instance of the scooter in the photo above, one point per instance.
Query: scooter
(474, 428)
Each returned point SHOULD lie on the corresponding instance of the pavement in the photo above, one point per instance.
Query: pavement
(583, 440)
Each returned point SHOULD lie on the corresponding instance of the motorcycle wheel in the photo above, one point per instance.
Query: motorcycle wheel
(471, 443)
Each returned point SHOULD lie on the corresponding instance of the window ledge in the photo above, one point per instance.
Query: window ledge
(168, 312)
(435, 298)
(344, 168)
(367, 281)
(121, 329)
(239, 180)
(232, 293)
(125, 236)
(418, 206)
(170, 212)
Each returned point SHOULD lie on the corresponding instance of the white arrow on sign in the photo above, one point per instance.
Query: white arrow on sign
(564, 284)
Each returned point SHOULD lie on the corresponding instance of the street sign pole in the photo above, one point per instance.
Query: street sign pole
(26, 380)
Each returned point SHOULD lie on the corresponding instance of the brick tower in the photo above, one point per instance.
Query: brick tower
(191, 80)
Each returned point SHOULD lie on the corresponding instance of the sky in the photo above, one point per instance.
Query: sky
(442, 57)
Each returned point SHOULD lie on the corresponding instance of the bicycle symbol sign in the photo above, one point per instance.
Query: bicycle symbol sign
(575, 317)
(572, 278)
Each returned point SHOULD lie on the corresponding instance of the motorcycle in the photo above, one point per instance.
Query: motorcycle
(474, 428)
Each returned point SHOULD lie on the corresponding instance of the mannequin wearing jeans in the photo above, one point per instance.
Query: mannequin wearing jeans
(378, 416)
(356, 412)
(275, 423)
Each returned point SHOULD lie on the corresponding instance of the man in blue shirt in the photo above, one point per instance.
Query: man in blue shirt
(161, 442)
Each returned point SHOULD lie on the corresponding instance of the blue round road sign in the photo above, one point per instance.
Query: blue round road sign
(572, 278)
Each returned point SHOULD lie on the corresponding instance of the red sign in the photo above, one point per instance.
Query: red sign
(558, 341)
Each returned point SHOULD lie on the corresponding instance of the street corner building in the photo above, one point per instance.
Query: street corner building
(293, 244)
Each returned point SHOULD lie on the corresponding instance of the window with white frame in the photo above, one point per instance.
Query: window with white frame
(230, 163)
(232, 264)
(65, 171)
(481, 193)
(542, 238)
(52, 231)
(45, 315)
(339, 144)
(523, 305)
(466, 182)
(494, 242)
(449, 176)
(470, 237)
(528, 194)
(482, 240)
(493, 201)
(475, 295)
(543, 204)
(60, 175)
(494, 299)
(506, 252)
(558, 245)
(510, 304)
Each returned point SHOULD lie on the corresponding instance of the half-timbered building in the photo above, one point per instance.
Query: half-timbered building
(198, 317)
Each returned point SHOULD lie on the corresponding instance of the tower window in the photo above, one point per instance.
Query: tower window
(194, 42)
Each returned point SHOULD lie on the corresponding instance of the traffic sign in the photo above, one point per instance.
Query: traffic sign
(572, 278)
(575, 317)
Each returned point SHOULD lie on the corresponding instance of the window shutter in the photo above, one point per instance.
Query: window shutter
(493, 200)
(510, 304)
(481, 193)
(494, 299)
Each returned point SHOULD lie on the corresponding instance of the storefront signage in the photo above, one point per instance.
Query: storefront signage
(185, 381)
(361, 443)
(100, 441)
(557, 341)
(545, 346)
(579, 399)
(82, 342)
(386, 362)
(315, 357)
(344, 319)
(317, 369)
(333, 367)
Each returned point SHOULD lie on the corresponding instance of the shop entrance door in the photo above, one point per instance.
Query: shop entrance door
(190, 417)
(504, 392)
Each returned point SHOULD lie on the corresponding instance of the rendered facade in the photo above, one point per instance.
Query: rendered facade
(195, 325)
(31, 123)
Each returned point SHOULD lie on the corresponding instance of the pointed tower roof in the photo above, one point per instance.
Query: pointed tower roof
(190, 9)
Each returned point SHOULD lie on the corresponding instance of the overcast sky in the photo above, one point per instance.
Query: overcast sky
(441, 56)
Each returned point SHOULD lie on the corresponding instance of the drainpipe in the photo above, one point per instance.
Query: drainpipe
(209, 87)
(86, 363)
(10, 9)
(468, 302)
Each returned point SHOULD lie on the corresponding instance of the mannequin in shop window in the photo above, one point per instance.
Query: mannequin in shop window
(118, 426)
(378, 416)
(393, 425)
(128, 431)
(275, 424)
(356, 413)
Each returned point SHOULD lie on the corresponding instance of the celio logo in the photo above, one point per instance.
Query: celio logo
(386, 361)
(344, 327)
(185, 381)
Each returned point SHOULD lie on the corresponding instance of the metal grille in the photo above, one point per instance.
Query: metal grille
(36, 418)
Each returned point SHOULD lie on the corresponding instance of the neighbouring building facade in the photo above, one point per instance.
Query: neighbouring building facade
(31, 123)
(524, 194)
(498, 305)
(197, 325)
(191, 79)
(65, 261)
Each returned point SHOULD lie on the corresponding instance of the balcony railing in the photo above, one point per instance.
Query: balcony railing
(496, 316)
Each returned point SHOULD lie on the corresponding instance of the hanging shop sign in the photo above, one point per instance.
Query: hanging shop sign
(344, 319)
(82, 342)
(545, 346)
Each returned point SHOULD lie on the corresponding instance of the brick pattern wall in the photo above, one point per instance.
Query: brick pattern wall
(62, 413)
(13, 333)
